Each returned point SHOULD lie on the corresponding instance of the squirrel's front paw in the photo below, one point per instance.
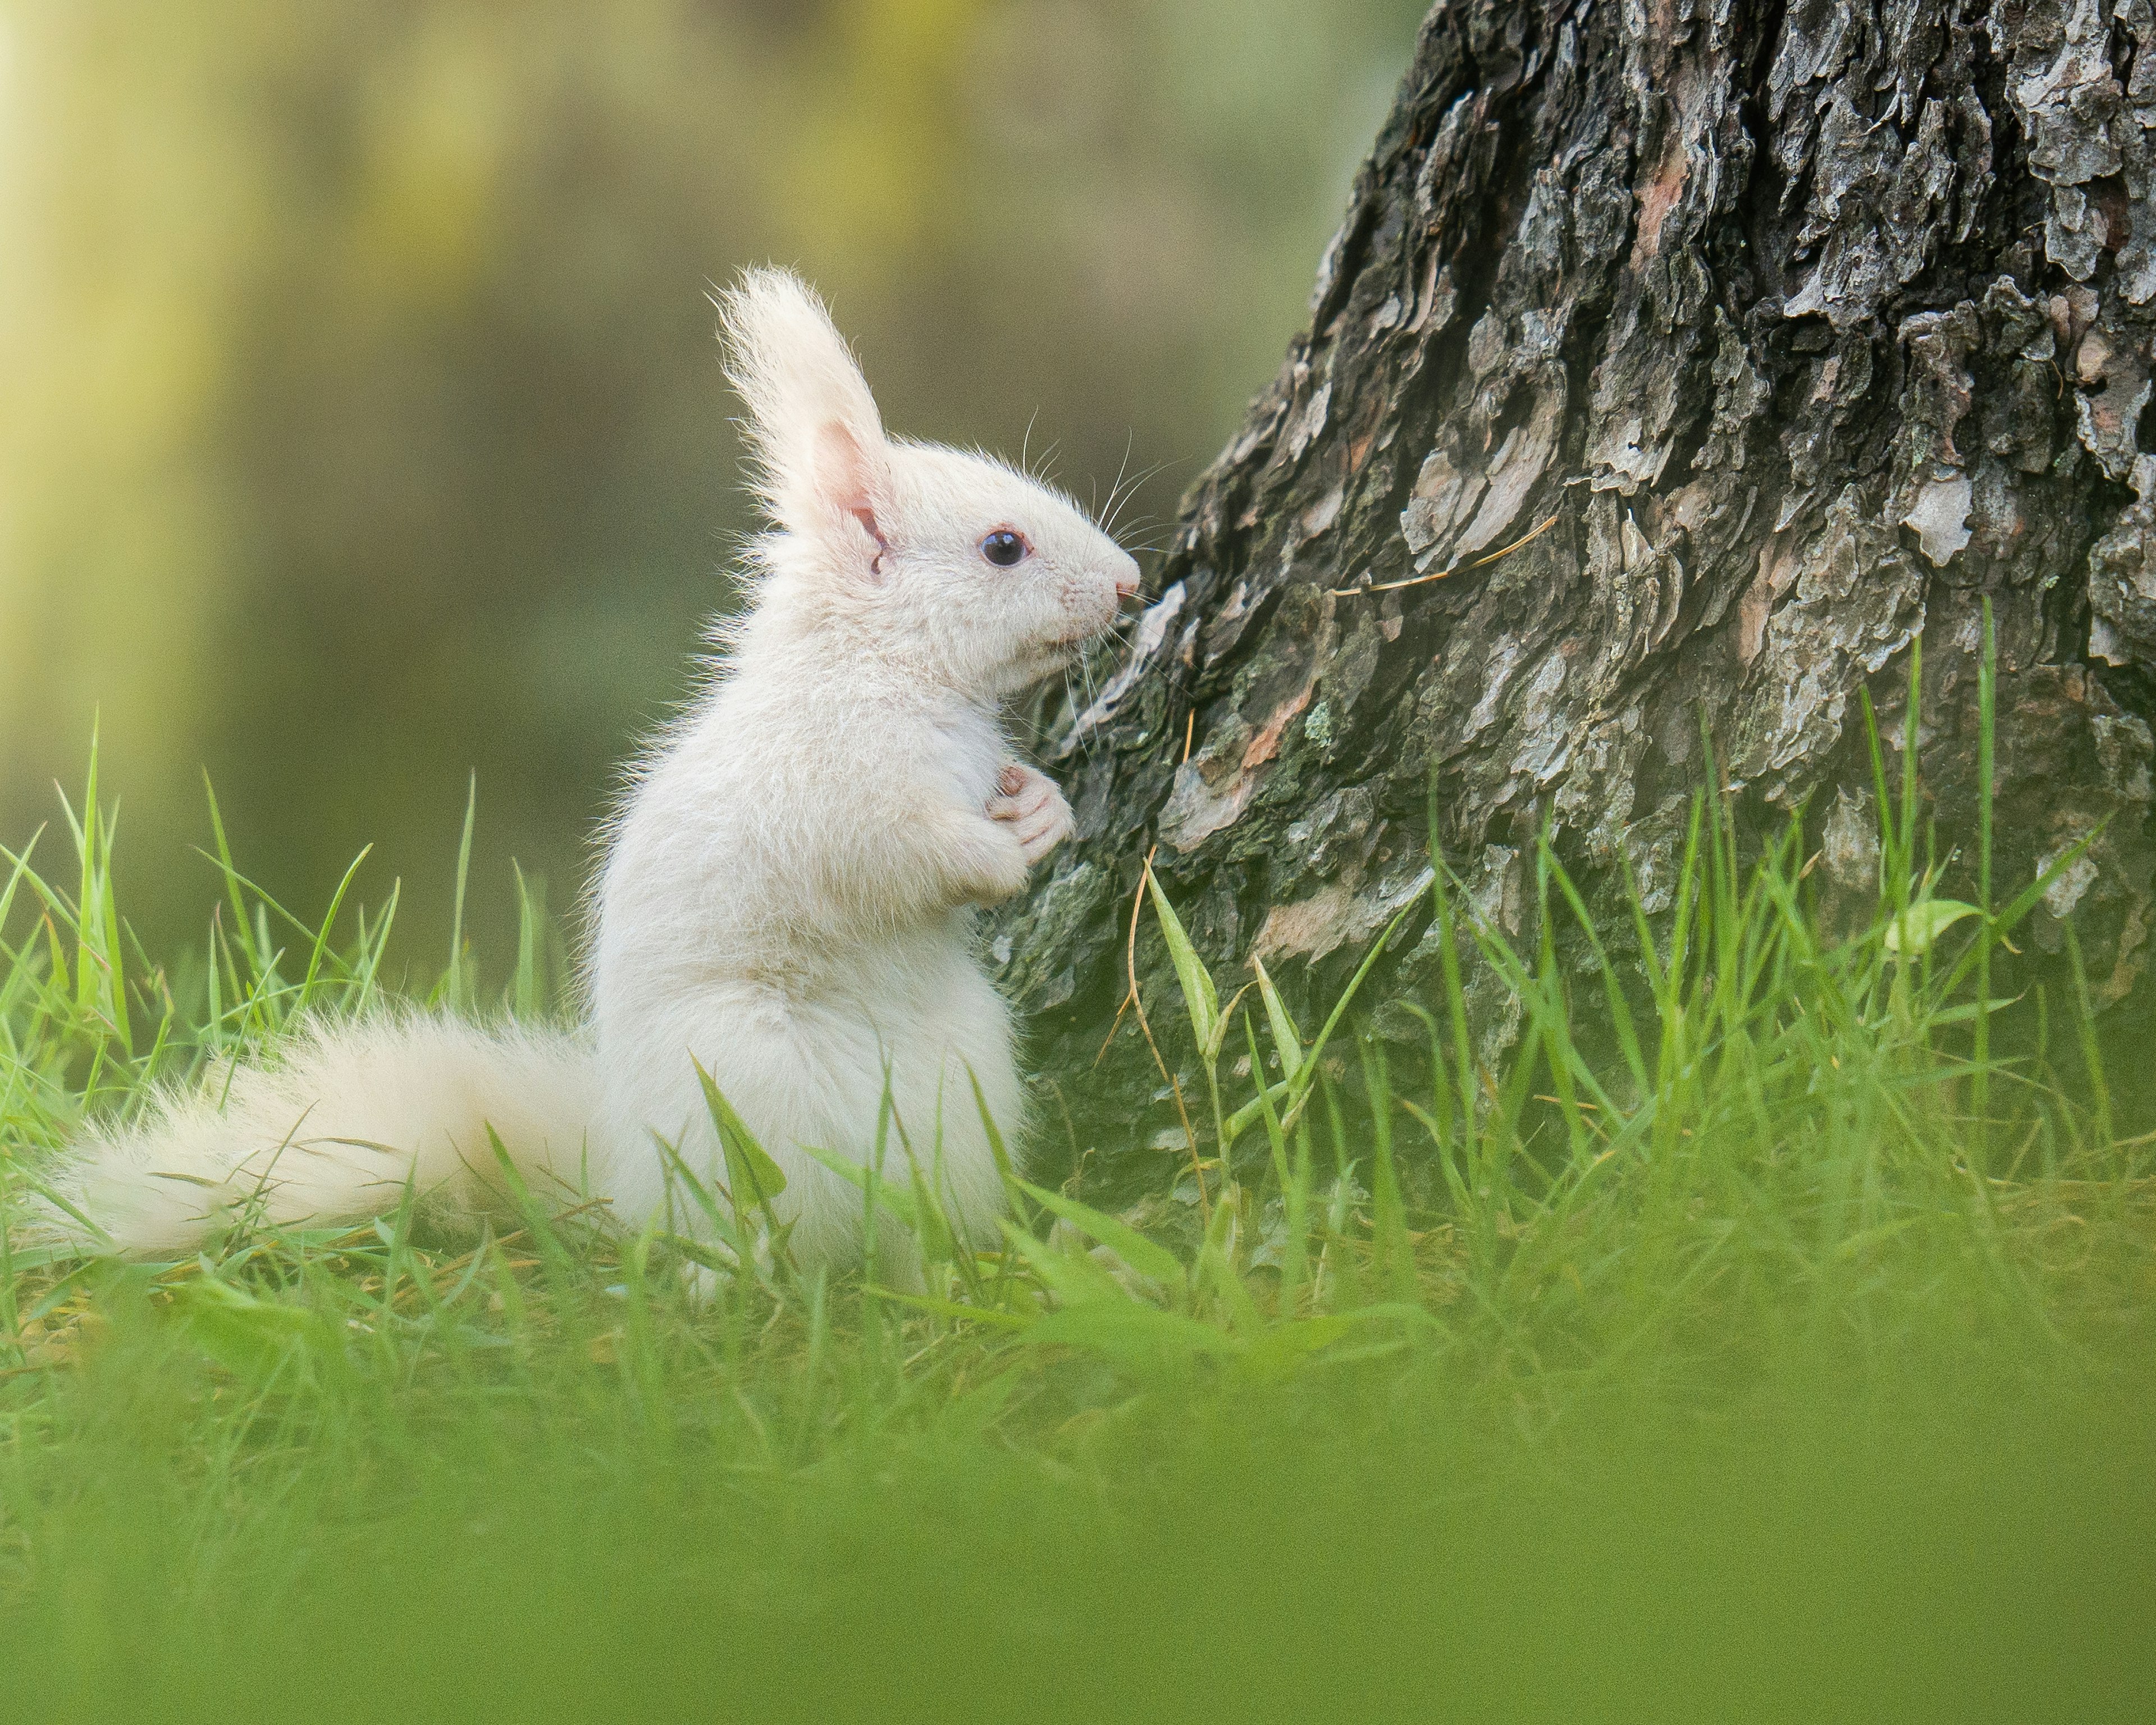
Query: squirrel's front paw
(1033, 809)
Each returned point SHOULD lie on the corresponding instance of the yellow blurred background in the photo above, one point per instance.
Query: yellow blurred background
(361, 422)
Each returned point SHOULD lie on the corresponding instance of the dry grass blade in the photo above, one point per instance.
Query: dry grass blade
(1501, 551)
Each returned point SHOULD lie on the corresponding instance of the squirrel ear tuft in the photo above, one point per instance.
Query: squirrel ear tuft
(822, 466)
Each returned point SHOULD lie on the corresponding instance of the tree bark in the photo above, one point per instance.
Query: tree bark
(1807, 329)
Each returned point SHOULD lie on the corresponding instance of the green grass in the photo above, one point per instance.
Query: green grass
(1791, 1359)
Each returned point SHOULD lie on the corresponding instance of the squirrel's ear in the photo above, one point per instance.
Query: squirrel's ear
(823, 467)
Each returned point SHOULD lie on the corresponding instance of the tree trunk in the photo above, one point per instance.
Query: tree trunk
(1805, 329)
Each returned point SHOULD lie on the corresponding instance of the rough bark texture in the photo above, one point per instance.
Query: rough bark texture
(1813, 326)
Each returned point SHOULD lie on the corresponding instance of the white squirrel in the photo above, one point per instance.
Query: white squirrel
(788, 888)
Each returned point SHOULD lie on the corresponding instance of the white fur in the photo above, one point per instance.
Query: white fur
(787, 891)
(333, 1129)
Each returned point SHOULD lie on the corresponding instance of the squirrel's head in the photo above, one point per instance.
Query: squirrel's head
(952, 563)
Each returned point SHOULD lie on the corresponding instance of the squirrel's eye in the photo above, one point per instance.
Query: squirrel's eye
(1003, 547)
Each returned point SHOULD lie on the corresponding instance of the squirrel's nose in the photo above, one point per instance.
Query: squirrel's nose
(1127, 580)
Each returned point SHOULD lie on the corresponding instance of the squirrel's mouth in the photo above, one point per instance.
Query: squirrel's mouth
(1051, 656)
(1084, 632)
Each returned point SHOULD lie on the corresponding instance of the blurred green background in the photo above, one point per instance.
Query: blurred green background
(361, 422)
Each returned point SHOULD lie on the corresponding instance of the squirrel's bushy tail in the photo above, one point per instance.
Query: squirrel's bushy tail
(331, 1132)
